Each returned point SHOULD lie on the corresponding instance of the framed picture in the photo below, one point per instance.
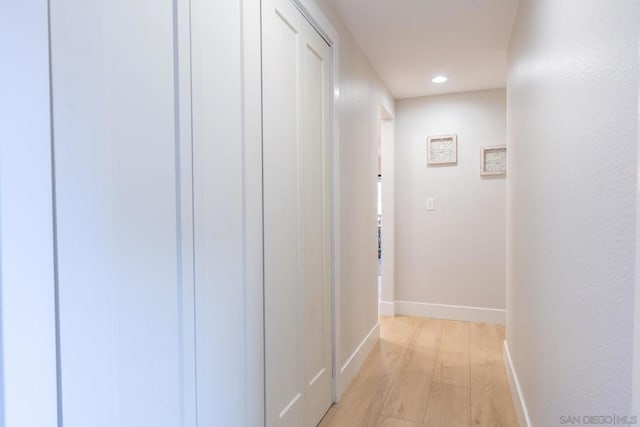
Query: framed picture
(442, 150)
(493, 160)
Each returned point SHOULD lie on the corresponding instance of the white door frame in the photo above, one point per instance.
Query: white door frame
(636, 340)
(323, 26)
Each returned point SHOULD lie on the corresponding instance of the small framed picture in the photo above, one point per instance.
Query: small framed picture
(493, 160)
(442, 150)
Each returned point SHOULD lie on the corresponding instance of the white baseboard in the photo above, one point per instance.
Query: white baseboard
(516, 392)
(354, 363)
(450, 312)
(386, 308)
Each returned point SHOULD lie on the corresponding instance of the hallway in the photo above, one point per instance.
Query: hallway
(429, 372)
(189, 213)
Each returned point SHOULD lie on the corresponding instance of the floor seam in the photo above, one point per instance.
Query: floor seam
(433, 374)
(393, 374)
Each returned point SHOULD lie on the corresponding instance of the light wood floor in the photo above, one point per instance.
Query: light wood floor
(429, 372)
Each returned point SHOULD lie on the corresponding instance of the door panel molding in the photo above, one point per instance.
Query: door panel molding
(325, 28)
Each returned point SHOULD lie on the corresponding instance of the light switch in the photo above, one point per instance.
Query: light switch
(431, 204)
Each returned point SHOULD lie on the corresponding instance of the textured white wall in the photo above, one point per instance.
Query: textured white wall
(454, 255)
(573, 136)
(361, 95)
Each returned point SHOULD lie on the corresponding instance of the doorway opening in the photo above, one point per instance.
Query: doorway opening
(379, 230)
(385, 206)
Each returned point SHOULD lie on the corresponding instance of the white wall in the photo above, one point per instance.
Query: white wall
(572, 190)
(454, 255)
(28, 395)
(361, 93)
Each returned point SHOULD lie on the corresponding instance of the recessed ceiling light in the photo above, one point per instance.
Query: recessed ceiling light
(439, 79)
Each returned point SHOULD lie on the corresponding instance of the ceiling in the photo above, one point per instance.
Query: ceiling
(409, 42)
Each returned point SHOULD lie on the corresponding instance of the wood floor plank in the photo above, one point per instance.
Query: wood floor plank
(364, 399)
(468, 384)
(395, 422)
(328, 416)
(428, 334)
(448, 407)
(485, 342)
(491, 403)
(452, 367)
(409, 389)
(401, 330)
(386, 322)
(361, 404)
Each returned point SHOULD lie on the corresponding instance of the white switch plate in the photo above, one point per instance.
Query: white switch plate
(431, 204)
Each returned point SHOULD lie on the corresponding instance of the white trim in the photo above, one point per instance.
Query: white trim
(516, 392)
(450, 312)
(184, 114)
(253, 245)
(386, 308)
(314, 15)
(319, 21)
(355, 361)
(636, 340)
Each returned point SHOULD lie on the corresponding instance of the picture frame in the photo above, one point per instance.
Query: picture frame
(442, 149)
(493, 160)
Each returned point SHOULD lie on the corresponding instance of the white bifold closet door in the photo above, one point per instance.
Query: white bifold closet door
(125, 302)
(297, 217)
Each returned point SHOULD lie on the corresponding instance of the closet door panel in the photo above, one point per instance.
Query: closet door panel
(116, 176)
(297, 217)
